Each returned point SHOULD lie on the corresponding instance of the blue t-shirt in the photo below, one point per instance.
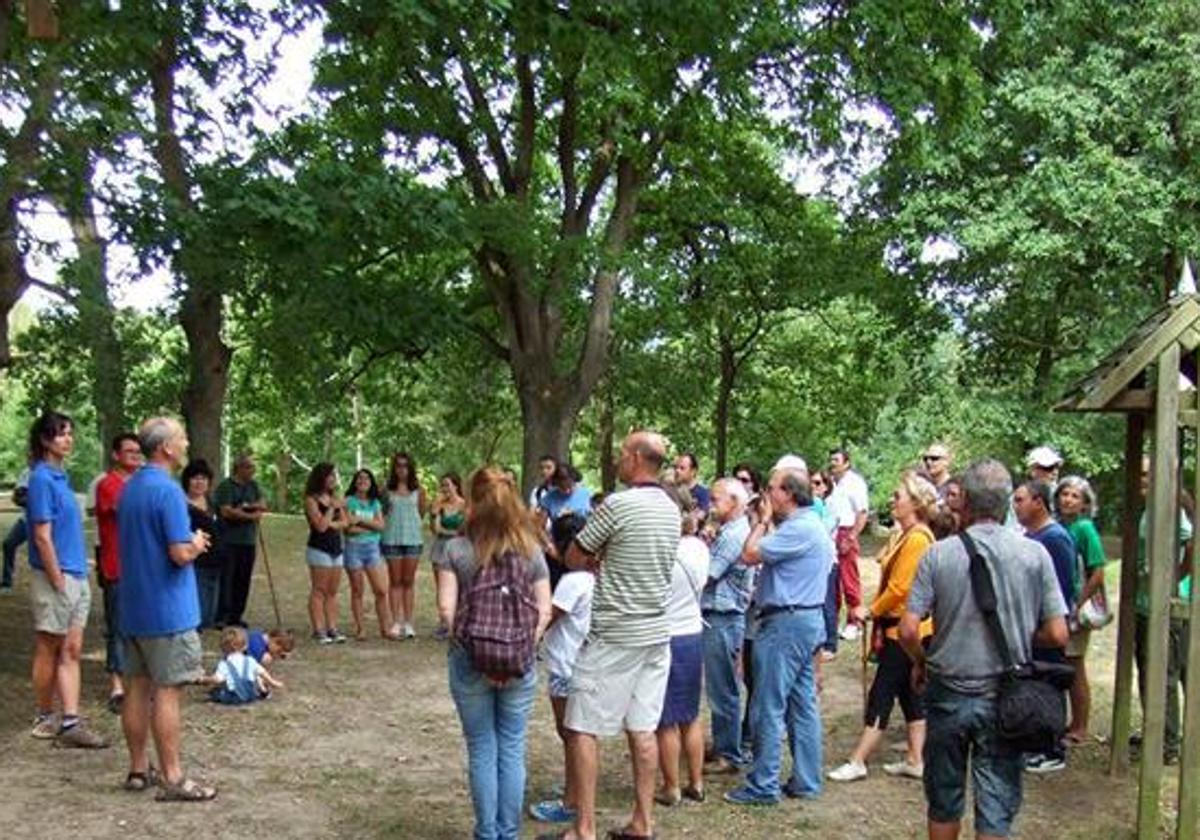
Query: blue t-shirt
(52, 500)
(555, 502)
(157, 597)
(796, 560)
(256, 644)
(1061, 548)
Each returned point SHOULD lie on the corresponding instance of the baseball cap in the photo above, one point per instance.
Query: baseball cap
(1044, 457)
(790, 462)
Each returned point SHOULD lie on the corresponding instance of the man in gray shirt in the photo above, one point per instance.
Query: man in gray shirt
(963, 663)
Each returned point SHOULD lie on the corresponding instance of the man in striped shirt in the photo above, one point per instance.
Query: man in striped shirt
(620, 677)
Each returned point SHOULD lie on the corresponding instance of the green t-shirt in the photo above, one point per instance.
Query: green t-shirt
(1184, 590)
(1088, 547)
(363, 509)
(232, 494)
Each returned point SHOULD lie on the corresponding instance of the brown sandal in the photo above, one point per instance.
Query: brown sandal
(136, 782)
(187, 790)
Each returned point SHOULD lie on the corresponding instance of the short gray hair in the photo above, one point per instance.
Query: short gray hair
(795, 484)
(156, 433)
(735, 489)
(987, 485)
(1090, 506)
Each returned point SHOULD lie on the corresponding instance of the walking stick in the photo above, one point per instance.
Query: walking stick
(262, 546)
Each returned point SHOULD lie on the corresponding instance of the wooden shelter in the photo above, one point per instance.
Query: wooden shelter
(1151, 378)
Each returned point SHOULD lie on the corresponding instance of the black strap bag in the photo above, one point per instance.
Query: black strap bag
(1031, 705)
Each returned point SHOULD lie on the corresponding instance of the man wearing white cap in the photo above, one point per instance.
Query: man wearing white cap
(1043, 463)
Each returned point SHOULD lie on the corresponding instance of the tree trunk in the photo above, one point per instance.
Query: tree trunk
(605, 435)
(283, 468)
(97, 318)
(725, 383)
(200, 313)
(13, 279)
(548, 419)
(208, 373)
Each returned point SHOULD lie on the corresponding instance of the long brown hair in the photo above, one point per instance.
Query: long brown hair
(497, 520)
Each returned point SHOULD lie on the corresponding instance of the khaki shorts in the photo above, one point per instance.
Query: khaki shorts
(1077, 645)
(166, 660)
(616, 688)
(56, 612)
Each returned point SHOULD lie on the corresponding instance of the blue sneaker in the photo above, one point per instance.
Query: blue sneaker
(551, 811)
(793, 792)
(741, 796)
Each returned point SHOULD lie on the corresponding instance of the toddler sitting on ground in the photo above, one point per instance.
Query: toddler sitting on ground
(239, 678)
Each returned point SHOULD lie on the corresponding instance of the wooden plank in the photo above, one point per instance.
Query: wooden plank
(1189, 757)
(1135, 433)
(1160, 552)
(1139, 358)
(1189, 339)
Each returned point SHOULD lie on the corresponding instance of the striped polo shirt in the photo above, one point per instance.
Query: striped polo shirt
(636, 533)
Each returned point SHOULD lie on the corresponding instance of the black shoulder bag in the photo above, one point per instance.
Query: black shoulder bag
(1031, 706)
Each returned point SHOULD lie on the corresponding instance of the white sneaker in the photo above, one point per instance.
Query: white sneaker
(394, 630)
(903, 768)
(850, 633)
(851, 771)
(409, 632)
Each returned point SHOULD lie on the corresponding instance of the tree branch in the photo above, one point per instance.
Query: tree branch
(484, 116)
(567, 124)
(527, 115)
(454, 132)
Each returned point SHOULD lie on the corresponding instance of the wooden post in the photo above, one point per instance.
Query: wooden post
(1160, 554)
(1189, 757)
(1135, 432)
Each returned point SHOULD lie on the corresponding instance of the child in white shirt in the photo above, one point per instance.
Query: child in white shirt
(239, 677)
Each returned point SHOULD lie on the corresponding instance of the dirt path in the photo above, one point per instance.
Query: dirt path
(364, 742)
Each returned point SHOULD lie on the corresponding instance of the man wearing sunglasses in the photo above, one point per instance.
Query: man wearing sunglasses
(938, 461)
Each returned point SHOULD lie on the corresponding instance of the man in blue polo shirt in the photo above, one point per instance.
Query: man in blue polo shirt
(795, 562)
(59, 586)
(159, 609)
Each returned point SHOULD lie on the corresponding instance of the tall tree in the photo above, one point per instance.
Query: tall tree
(549, 122)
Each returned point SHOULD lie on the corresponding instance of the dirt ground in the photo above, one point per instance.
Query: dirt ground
(364, 742)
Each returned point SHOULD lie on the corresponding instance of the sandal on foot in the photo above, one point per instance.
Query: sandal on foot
(622, 834)
(136, 782)
(187, 790)
(667, 798)
(695, 794)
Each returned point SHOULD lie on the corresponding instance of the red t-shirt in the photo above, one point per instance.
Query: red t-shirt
(108, 493)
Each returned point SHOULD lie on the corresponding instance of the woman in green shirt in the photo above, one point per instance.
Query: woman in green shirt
(363, 559)
(1075, 504)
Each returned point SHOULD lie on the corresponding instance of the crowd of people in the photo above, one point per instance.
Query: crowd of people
(639, 604)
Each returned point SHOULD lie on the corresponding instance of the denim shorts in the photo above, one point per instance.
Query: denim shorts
(961, 725)
(393, 552)
(361, 554)
(318, 559)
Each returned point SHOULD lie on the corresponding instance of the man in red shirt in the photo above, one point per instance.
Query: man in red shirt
(126, 458)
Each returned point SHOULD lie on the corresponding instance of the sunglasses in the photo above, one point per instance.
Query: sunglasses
(745, 479)
(930, 458)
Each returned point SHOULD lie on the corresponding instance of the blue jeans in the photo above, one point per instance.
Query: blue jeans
(17, 534)
(832, 592)
(722, 647)
(493, 721)
(114, 647)
(961, 728)
(785, 691)
(208, 587)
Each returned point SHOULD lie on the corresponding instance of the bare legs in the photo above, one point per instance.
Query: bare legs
(643, 754)
(322, 598)
(688, 738)
(377, 576)
(152, 708)
(1081, 701)
(583, 759)
(56, 669)
(570, 796)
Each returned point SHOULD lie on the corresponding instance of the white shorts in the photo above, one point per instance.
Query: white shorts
(615, 688)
